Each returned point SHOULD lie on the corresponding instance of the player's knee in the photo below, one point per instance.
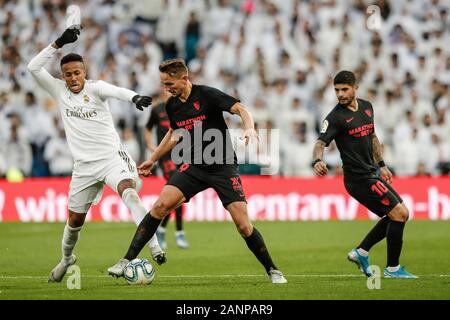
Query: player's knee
(400, 213)
(76, 220)
(245, 229)
(124, 185)
(161, 208)
(404, 213)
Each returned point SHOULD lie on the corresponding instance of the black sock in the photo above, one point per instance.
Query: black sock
(144, 233)
(375, 235)
(165, 221)
(179, 218)
(255, 243)
(394, 239)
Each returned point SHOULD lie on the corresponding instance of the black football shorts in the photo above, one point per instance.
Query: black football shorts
(224, 180)
(374, 193)
(167, 167)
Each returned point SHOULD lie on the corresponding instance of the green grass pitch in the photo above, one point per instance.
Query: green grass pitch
(218, 264)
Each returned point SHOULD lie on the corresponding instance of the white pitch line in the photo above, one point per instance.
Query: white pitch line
(233, 276)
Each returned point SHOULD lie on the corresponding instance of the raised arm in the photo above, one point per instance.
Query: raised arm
(378, 157)
(36, 65)
(320, 168)
(247, 120)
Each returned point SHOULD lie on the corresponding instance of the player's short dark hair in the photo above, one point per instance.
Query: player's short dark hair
(71, 57)
(174, 67)
(345, 77)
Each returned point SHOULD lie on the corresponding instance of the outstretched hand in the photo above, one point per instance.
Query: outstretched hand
(68, 36)
(145, 168)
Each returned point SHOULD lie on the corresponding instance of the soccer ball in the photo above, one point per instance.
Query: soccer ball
(139, 271)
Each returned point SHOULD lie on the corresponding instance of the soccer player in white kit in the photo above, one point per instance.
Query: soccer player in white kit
(95, 145)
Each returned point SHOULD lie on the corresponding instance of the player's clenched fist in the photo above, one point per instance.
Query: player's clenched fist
(68, 36)
(146, 167)
(320, 168)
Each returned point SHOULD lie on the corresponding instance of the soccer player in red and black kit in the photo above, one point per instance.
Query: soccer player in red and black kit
(195, 107)
(160, 120)
(366, 177)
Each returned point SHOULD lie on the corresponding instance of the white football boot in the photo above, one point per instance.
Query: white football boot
(60, 270)
(118, 269)
(277, 276)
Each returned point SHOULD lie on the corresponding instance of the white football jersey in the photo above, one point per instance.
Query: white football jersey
(86, 116)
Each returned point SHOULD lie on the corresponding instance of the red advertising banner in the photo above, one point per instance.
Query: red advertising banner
(269, 198)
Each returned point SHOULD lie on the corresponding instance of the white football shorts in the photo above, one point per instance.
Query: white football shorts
(88, 179)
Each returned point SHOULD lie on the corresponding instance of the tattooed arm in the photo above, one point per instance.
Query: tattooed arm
(376, 149)
(378, 157)
(320, 168)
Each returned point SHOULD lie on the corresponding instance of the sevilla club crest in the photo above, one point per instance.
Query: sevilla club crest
(197, 105)
(368, 112)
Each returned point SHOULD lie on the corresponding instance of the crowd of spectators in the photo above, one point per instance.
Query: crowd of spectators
(277, 56)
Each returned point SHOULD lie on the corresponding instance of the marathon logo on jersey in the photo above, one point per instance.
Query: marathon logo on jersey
(361, 131)
(190, 124)
(78, 112)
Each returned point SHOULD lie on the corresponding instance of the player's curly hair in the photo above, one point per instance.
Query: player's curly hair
(174, 67)
(71, 57)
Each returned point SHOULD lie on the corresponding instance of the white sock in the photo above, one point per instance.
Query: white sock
(70, 238)
(133, 202)
(393, 269)
(362, 252)
(181, 232)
